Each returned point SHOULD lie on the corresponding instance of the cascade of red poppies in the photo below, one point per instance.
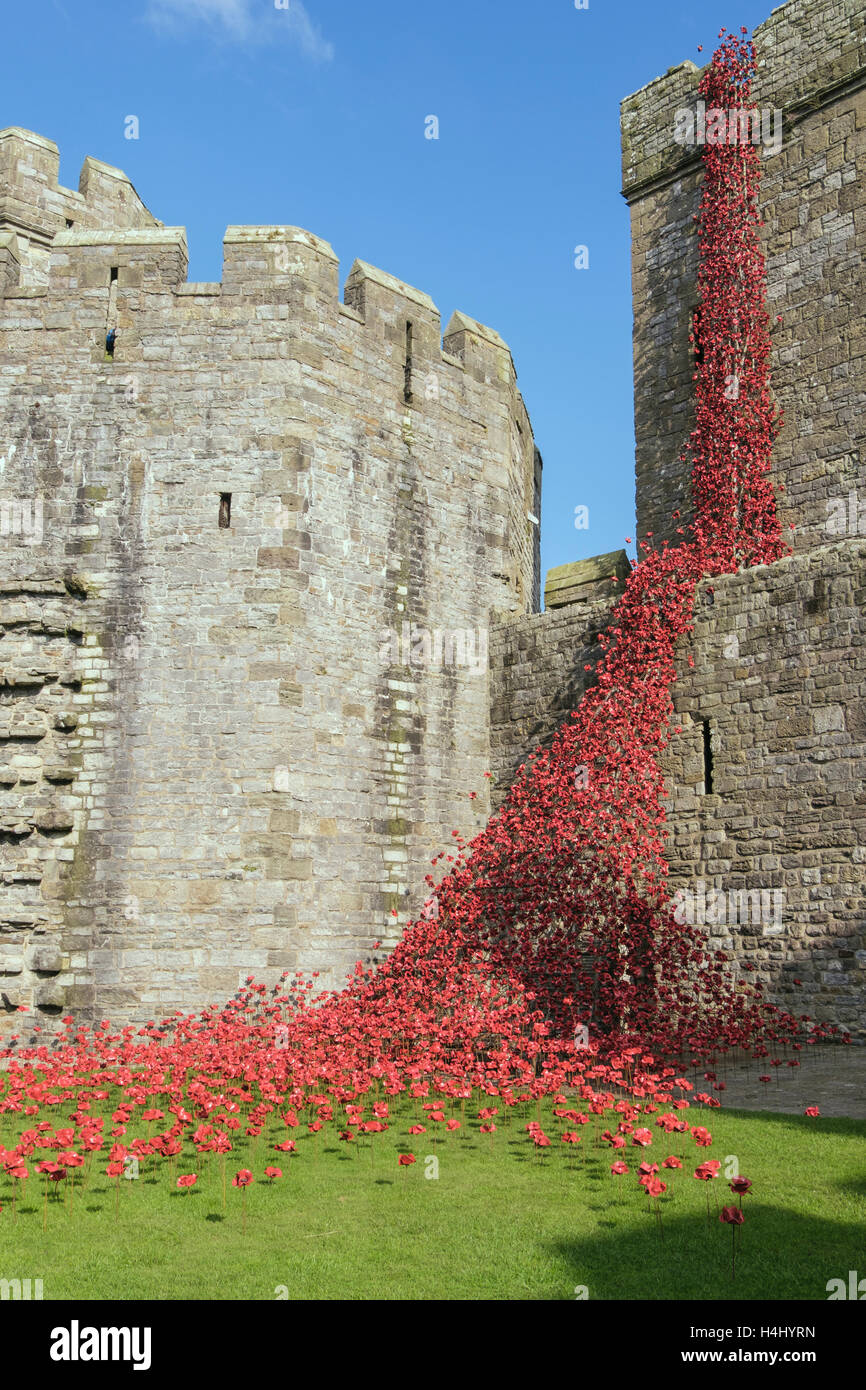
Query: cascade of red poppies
(553, 925)
(735, 512)
(555, 917)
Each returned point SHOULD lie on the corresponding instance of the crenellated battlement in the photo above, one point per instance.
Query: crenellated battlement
(260, 488)
(35, 207)
(810, 55)
(810, 93)
(270, 590)
(43, 258)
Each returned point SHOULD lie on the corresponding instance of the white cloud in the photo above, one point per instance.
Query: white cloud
(244, 21)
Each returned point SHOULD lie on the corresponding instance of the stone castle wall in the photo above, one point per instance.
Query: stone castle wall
(765, 819)
(541, 664)
(768, 852)
(212, 761)
(777, 813)
(34, 207)
(773, 707)
(812, 70)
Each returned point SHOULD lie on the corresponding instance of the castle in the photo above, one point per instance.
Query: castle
(271, 579)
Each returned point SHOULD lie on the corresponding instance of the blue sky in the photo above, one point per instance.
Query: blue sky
(314, 115)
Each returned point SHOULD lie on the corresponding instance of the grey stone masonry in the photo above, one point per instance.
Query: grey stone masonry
(251, 544)
(765, 807)
(585, 580)
(770, 855)
(811, 82)
(538, 672)
(270, 580)
(33, 206)
(766, 845)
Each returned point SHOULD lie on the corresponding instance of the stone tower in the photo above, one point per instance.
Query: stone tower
(253, 539)
(255, 542)
(767, 777)
(766, 806)
(810, 88)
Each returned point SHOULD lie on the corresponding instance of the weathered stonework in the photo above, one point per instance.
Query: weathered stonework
(244, 643)
(779, 681)
(538, 662)
(812, 68)
(769, 857)
(214, 762)
(773, 708)
(779, 677)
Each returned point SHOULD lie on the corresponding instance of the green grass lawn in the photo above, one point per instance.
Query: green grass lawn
(497, 1223)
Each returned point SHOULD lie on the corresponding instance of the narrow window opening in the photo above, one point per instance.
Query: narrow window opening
(708, 757)
(225, 519)
(111, 320)
(697, 345)
(407, 370)
(69, 222)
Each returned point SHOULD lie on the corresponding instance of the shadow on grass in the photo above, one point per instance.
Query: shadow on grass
(830, 1124)
(780, 1255)
(857, 1186)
